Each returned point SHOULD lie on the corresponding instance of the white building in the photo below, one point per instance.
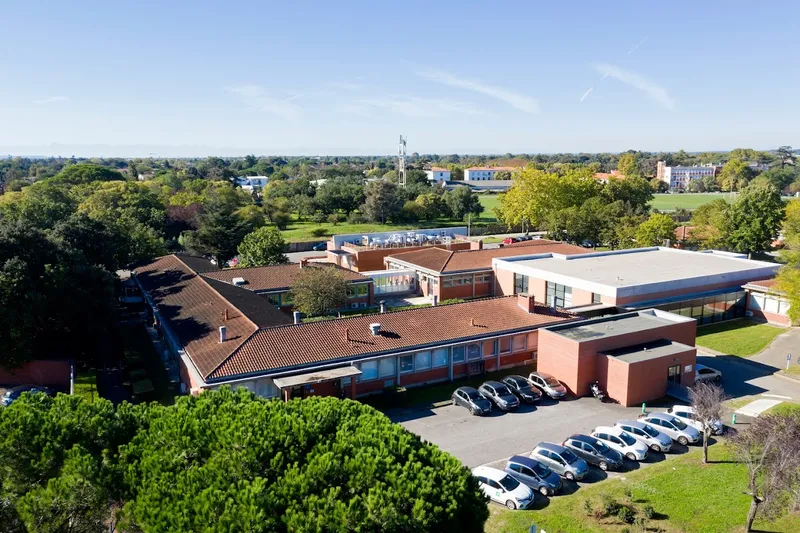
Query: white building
(438, 174)
(484, 173)
(680, 177)
(248, 183)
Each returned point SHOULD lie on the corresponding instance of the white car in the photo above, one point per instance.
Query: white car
(502, 488)
(621, 441)
(704, 373)
(650, 436)
(676, 428)
(686, 413)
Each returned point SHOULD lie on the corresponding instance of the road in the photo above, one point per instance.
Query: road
(295, 257)
(749, 378)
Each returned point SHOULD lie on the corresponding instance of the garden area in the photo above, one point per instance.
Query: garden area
(742, 338)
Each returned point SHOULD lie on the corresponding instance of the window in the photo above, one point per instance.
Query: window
(520, 284)
(520, 343)
(369, 370)
(596, 298)
(357, 291)
(490, 348)
(473, 351)
(441, 357)
(422, 360)
(363, 289)
(558, 295)
(458, 354)
(447, 282)
(483, 278)
(387, 367)
(406, 363)
(286, 298)
(505, 345)
(274, 299)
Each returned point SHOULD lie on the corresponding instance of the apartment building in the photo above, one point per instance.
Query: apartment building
(484, 173)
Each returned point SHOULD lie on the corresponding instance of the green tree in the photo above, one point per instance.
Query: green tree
(655, 230)
(220, 233)
(629, 165)
(84, 173)
(711, 223)
(262, 247)
(735, 175)
(319, 290)
(340, 194)
(461, 201)
(785, 155)
(755, 219)
(432, 206)
(636, 193)
(382, 201)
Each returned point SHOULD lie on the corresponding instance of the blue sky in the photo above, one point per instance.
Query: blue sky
(229, 78)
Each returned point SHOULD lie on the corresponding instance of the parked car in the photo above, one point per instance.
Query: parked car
(510, 240)
(561, 460)
(548, 385)
(320, 246)
(534, 474)
(471, 399)
(499, 394)
(502, 488)
(525, 237)
(686, 413)
(522, 388)
(621, 441)
(704, 373)
(672, 426)
(594, 452)
(15, 392)
(650, 436)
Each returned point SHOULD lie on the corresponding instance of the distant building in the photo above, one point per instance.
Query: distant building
(248, 183)
(603, 177)
(438, 174)
(484, 173)
(678, 178)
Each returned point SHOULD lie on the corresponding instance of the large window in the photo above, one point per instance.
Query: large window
(441, 357)
(520, 284)
(505, 345)
(387, 367)
(422, 360)
(558, 295)
(473, 351)
(406, 363)
(358, 291)
(520, 342)
(709, 309)
(459, 354)
(369, 370)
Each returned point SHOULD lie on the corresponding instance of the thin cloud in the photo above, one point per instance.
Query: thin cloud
(514, 99)
(420, 107)
(257, 97)
(632, 50)
(346, 85)
(650, 88)
(52, 100)
(586, 94)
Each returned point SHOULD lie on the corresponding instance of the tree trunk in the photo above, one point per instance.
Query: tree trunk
(751, 514)
(705, 445)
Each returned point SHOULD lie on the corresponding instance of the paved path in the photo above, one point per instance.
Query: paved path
(746, 377)
(775, 354)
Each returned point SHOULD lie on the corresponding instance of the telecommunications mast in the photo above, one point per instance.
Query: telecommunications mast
(401, 162)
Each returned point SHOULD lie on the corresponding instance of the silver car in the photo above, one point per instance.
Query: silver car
(676, 428)
(499, 394)
(561, 460)
(650, 436)
(548, 385)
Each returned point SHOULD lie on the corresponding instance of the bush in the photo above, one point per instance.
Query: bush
(319, 217)
(610, 506)
(356, 218)
(335, 218)
(626, 515)
(588, 508)
(628, 494)
(319, 232)
(648, 512)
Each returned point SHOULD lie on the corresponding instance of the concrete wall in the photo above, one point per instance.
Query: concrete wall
(51, 373)
(581, 297)
(366, 259)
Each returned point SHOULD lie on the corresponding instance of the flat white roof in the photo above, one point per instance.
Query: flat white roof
(640, 271)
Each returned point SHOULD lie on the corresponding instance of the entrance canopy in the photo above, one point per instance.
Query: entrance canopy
(317, 376)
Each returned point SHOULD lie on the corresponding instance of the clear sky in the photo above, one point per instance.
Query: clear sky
(318, 78)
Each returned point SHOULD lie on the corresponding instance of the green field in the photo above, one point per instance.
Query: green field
(742, 338)
(489, 202)
(671, 202)
(685, 494)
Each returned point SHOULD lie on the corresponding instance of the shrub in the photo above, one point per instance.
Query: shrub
(335, 218)
(628, 494)
(588, 508)
(648, 512)
(626, 515)
(610, 506)
(319, 232)
(625, 530)
(319, 217)
(356, 218)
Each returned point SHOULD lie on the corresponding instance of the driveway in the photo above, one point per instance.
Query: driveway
(750, 377)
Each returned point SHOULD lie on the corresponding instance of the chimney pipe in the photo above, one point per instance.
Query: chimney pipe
(383, 306)
(296, 316)
(347, 334)
(472, 321)
(225, 315)
(223, 334)
(435, 300)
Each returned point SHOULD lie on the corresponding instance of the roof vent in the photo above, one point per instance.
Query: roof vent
(375, 328)
(238, 281)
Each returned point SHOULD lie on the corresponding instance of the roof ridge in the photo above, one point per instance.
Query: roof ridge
(235, 351)
(449, 257)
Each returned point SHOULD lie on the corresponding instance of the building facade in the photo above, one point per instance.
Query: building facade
(249, 183)
(766, 302)
(484, 173)
(438, 174)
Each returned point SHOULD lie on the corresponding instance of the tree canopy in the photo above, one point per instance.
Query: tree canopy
(262, 247)
(319, 290)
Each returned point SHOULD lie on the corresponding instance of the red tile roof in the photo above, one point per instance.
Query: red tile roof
(443, 261)
(195, 311)
(764, 283)
(440, 169)
(277, 277)
(347, 338)
(510, 169)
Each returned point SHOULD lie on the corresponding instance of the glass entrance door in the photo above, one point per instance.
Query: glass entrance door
(674, 374)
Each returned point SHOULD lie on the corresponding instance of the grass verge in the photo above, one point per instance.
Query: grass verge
(86, 385)
(742, 338)
(685, 495)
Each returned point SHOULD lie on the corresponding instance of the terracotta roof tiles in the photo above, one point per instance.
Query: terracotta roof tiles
(270, 278)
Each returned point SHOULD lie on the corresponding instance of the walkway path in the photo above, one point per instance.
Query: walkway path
(775, 353)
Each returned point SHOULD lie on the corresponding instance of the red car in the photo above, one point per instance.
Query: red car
(510, 240)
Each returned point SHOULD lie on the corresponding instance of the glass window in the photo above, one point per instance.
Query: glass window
(473, 351)
(520, 343)
(286, 298)
(387, 367)
(558, 295)
(422, 360)
(505, 344)
(490, 348)
(274, 299)
(369, 370)
(406, 363)
(596, 298)
(441, 357)
(447, 282)
(363, 289)
(459, 354)
(520, 284)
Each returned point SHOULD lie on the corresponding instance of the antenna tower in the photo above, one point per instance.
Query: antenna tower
(401, 162)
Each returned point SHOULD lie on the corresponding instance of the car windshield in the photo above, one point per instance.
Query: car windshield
(541, 470)
(473, 395)
(650, 431)
(627, 439)
(551, 381)
(509, 483)
(600, 447)
(569, 457)
(678, 423)
(502, 390)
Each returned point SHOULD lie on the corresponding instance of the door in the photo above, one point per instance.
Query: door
(674, 374)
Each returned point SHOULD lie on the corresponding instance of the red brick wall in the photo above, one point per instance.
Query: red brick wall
(458, 291)
(435, 374)
(647, 380)
(773, 318)
(515, 359)
(558, 356)
(54, 374)
(373, 259)
(483, 289)
(504, 282)
(367, 387)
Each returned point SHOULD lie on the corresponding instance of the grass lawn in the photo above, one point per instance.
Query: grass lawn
(302, 231)
(671, 202)
(685, 494)
(86, 385)
(785, 409)
(737, 337)
(489, 202)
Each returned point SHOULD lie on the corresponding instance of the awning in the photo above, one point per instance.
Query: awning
(317, 376)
